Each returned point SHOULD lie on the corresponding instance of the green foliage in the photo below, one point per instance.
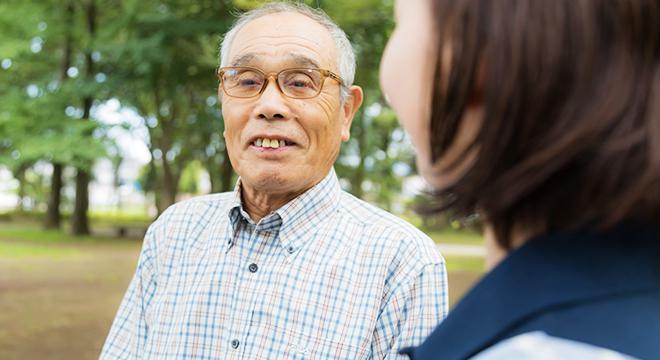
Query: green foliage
(42, 107)
(148, 179)
(164, 57)
(248, 4)
(378, 157)
(190, 178)
(159, 58)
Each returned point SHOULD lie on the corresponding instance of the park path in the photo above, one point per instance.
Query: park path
(462, 250)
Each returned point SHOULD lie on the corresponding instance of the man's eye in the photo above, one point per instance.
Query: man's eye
(300, 83)
(247, 82)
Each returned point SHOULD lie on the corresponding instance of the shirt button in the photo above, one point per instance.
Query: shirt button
(235, 343)
(290, 249)
(253, 267)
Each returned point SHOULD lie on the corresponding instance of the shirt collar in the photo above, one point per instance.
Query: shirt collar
(236, 211)
(296, 220)
(302, 215)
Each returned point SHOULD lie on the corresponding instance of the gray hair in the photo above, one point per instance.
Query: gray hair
(346, 54)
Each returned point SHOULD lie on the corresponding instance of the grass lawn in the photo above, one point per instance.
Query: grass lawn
(453, 236)
(465, 263)
(59, 294)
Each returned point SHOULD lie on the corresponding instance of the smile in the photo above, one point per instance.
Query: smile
(271, 143)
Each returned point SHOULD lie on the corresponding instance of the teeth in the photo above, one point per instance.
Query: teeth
(268, 143)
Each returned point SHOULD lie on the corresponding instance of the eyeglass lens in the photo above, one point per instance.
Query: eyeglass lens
(295, 83)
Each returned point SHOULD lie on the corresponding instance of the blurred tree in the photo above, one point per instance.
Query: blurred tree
(158, 57)
(190, 178)
(116, 159)
(19, 173)
(53, 215)
(165, 57)
(378, 157)
(39, 116)
(79, 218)
(209, 146)
(147, 179)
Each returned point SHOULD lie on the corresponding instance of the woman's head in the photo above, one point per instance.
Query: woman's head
(536, 111)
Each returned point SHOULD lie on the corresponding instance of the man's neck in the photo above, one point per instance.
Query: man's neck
(259, 204)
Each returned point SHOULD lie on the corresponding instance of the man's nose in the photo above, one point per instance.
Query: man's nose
(272, 104)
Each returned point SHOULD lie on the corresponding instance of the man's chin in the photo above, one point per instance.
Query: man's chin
(268, 180)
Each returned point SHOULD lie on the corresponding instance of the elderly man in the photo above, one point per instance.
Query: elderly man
(288, 265)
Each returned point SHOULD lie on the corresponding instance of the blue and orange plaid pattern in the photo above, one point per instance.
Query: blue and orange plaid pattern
(327, 276)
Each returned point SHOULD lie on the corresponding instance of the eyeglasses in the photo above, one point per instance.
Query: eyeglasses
(298, 83)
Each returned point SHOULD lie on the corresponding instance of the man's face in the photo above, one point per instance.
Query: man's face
(312, 129)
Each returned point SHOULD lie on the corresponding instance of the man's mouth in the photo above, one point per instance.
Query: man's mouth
(271, 143)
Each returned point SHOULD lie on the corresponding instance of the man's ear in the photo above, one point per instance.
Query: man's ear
(349, 108)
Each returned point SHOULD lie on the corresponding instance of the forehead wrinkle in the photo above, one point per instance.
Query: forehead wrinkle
(312, 47)
(254, 44)
(299, 60)
(285, 37)
(277, 39)
(293, 30)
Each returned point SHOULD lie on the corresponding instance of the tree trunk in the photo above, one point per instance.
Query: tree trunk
(151, 186)
(20, 176)
(358, 179)
(53, 216)
(169, 183)
(209, 165)
(79, 218)
(220, 173)
(116, 179)
(80, 221)
(226, 174)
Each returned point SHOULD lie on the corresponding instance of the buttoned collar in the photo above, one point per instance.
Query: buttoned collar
(296, 221)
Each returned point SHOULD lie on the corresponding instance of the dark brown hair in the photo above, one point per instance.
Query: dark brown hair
(571, 95)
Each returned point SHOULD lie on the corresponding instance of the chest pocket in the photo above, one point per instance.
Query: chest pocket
(327, 316)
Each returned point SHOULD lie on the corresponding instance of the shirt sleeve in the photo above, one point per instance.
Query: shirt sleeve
(130, 328)
(412, 311)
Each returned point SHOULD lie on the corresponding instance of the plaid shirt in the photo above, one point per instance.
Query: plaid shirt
(326, 276)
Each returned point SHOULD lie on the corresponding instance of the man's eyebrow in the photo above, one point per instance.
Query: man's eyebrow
(304, 61)
(243, 59)
(299, 60)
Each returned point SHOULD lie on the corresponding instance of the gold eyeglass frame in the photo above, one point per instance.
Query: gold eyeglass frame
(324, 74)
